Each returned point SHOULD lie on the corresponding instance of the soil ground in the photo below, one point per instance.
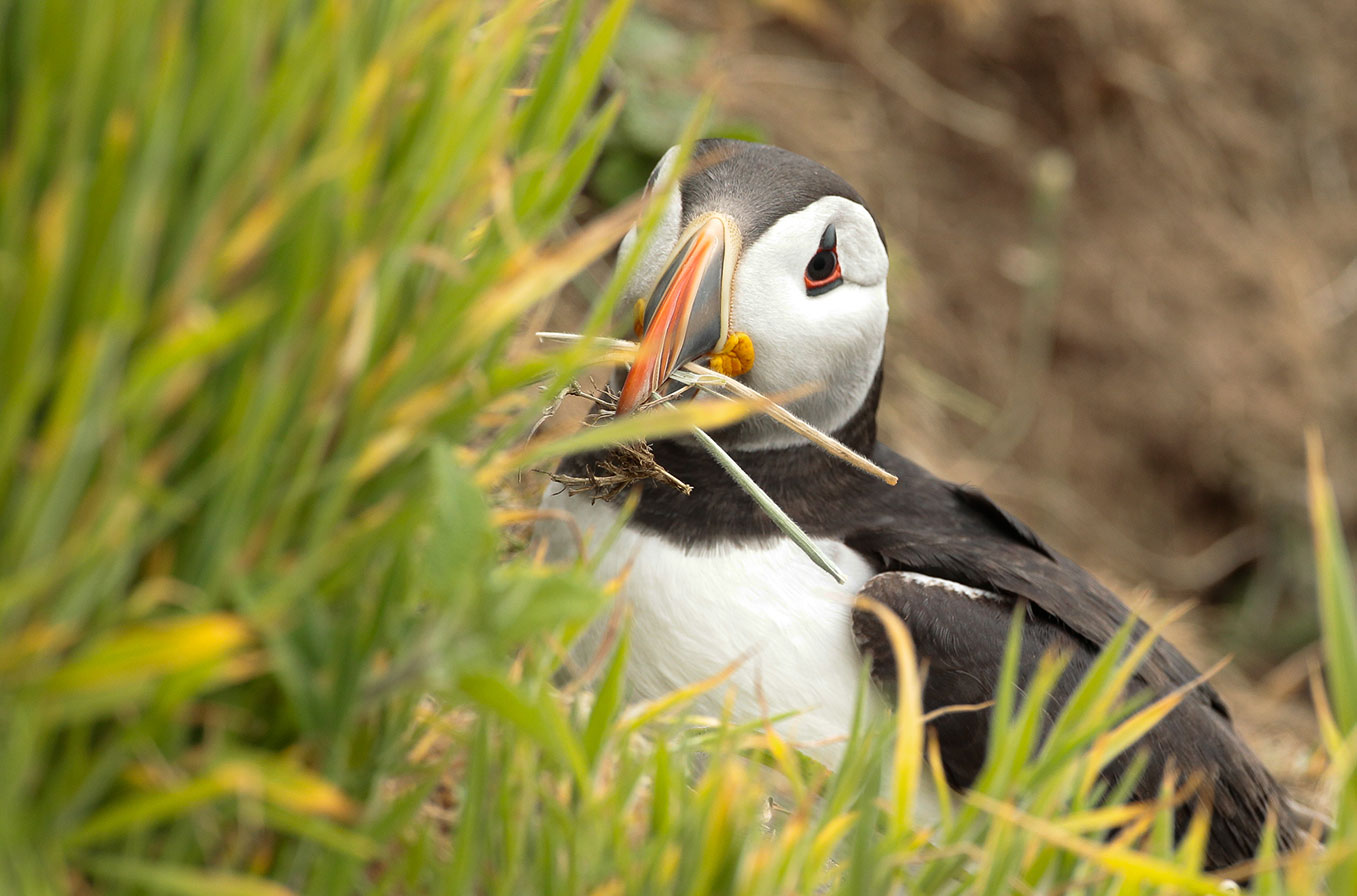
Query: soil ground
(1129, 363)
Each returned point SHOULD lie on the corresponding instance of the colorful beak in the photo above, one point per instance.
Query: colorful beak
(688, 313)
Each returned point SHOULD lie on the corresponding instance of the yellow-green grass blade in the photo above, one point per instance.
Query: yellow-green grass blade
(1338, 618)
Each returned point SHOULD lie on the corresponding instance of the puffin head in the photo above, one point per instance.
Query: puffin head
(762, 242)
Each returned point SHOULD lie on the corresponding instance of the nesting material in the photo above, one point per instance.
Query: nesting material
(622, 351)
(628, 463)
(625, 464)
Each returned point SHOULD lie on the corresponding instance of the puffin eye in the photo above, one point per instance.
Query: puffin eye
(823, 272)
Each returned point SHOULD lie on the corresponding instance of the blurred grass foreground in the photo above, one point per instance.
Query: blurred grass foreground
(263, 628)
(259, 266)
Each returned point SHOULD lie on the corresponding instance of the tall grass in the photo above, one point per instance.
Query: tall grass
(266, 623)
(260, 266)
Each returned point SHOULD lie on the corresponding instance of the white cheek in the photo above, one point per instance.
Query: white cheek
(832, 341)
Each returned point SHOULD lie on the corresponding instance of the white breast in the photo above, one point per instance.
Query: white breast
(696, 611)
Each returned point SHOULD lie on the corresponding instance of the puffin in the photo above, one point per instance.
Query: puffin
(768, 267)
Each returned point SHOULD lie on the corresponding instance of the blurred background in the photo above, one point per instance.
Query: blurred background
(1124, 246)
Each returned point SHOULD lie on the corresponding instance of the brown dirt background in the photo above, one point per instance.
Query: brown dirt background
(1146, 414)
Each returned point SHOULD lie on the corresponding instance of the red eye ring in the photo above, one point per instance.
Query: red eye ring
(823, 272)
(817, 281)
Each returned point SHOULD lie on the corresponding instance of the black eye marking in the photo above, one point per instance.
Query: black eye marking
(823, 272)
(829, 240)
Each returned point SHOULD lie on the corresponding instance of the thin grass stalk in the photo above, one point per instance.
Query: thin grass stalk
(767, 504)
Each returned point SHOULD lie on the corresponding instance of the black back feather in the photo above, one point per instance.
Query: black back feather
(954, 532)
